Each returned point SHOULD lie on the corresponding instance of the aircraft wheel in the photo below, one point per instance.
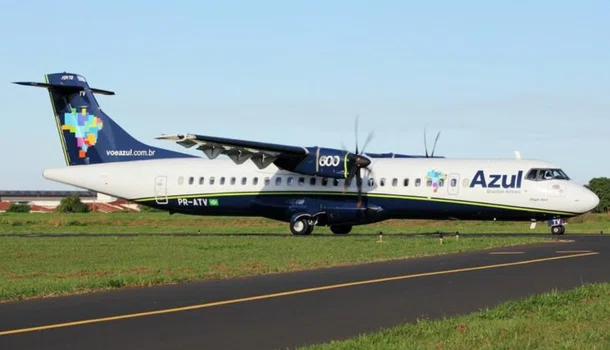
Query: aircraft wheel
(341, 229)
(301, 226)
(557, 230)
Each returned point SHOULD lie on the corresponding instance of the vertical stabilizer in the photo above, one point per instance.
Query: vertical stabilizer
(87, 134)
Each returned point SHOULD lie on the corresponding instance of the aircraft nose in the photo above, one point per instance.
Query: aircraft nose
(588, 200)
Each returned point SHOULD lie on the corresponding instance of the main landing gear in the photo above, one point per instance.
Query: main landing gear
(558, 230)
(304, 225)
(301, 226)
(341, 229)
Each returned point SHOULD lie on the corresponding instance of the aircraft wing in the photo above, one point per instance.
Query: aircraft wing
(262, 154)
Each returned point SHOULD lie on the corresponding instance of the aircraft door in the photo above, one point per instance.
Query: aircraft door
(161, 189)
(453, 184)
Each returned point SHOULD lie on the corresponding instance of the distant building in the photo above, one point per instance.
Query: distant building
(47, 201)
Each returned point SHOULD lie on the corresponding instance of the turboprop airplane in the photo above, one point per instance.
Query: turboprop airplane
(304, 186)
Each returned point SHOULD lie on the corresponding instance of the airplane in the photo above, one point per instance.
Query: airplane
(303, 186)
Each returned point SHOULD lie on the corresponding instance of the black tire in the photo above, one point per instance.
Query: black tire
(341, 229)
(563, 230)
(556, 230)
(300, 227)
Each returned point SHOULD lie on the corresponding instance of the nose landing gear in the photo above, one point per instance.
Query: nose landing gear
(558, 230)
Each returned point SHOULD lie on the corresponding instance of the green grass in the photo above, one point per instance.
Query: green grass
(575, 319)
(34, 267)
(165, 223)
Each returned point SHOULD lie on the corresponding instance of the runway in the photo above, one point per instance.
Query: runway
(294, 309)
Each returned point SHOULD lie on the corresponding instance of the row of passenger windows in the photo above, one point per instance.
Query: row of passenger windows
(301, 181)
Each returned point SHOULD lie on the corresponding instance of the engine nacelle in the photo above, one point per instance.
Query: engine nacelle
(323, 162)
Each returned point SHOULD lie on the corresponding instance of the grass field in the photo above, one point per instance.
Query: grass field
(576, 319)
(34, 267)
(165, 223)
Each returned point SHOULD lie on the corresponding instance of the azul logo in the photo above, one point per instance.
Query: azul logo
(85, 128)
(496, 180)
(435, 177)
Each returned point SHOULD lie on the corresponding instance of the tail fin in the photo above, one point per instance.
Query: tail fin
(87, 134)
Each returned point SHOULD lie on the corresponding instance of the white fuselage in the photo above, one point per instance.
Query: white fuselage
(161, 179)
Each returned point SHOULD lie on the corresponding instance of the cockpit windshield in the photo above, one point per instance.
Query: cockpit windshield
(546, 174)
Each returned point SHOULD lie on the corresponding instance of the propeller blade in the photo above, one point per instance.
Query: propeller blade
(368, 140)
(359, 185)
(356, 132)
(435, 140)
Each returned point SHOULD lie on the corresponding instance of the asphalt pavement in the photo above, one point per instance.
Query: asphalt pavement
(288, 310)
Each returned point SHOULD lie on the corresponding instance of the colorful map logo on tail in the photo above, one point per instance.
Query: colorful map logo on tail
(435, 177)
(85, 128)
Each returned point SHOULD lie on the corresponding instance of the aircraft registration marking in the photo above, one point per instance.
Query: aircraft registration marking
(198, 202)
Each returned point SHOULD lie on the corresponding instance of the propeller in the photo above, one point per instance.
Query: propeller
(357, 161)
(426, 144)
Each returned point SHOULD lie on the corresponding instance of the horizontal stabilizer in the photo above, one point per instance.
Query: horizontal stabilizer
(64, 87)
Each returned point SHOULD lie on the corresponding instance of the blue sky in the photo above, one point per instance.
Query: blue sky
(493, 76)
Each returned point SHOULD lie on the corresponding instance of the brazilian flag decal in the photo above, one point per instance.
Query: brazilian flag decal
(213, 202)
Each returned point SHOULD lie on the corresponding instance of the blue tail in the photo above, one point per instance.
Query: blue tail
(87, 134)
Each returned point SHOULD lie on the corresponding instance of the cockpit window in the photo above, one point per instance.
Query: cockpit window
(546, 174)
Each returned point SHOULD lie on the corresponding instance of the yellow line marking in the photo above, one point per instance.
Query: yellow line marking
(572, 251)
(283, 294)
(505, 253)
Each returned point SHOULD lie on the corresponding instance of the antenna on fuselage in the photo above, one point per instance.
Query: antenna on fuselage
(426, 144)
(435, 140)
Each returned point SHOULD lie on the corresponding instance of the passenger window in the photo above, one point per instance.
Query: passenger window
(180, 180)
(244, 180)
(324, 181)
(336, 182)
(201, 180)
(417, 182)
(405, 182)
(212, 180)
(222, 180)
(453, 182)
(191, 180)
(371, 182)
(267, 181)
(441, 182)
(312, 181)
(290, 181)
(429, 183)
(394, 182)
(301, 181)
(232, 181)
(382, 181)
(255, 181)
(278, 181)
